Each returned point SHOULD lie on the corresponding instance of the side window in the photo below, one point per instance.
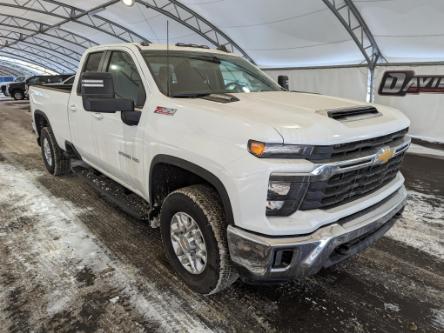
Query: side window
(92, 62)
(127, 81)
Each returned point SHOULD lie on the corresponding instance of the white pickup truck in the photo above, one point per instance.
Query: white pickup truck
(244, 178)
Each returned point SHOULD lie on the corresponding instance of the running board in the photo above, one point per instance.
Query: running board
(116, 194)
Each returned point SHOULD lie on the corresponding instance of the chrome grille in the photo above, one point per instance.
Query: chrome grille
(344, 150)
(349, 186)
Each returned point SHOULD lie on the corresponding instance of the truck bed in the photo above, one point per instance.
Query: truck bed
(53, 102)
(59, 87)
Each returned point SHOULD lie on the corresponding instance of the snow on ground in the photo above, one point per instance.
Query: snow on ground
(65, 255)
(421, 150)
(47, 286)
(422, 224)
(438, 319)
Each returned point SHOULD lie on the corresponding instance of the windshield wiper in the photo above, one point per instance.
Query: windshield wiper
(191, 95)
(213, 60)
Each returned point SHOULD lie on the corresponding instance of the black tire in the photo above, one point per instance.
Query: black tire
(202, 203)
(18, 95)
(59, 164)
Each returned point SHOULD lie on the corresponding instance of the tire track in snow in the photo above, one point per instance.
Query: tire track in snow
(59, 239)
(215, 311)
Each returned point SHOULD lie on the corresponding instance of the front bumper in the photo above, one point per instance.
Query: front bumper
(259, 257)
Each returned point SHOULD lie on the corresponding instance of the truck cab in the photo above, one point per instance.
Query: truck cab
(245, 178)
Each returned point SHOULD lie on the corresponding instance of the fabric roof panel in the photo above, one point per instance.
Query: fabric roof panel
(302, 33)
(406, 30)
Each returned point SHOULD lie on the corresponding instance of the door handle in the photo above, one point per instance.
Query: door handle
(73, 108)
(98, 116)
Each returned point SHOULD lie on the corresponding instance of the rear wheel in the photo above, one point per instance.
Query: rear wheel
(193, 232)
(18, 95)
(55, 161)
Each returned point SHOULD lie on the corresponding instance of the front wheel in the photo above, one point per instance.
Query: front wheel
(193, 232)
(53, 157)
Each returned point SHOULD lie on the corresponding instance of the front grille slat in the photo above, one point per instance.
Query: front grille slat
(365, 182)
(348, 186)
(345, 149)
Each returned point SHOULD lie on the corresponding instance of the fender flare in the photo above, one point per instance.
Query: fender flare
(40, 113)
(201, 172)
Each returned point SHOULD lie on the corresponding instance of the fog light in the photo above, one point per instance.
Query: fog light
(285, 193)
(278, 189)
(274, 205)
(282, 258)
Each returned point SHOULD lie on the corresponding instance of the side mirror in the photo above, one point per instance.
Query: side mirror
(98, 94)
(131, 118)
(283, 81)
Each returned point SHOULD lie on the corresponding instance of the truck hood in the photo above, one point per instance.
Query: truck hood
(298, 117)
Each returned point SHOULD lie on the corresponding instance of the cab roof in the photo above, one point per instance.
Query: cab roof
(163, 47)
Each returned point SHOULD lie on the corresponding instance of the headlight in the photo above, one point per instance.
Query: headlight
(285, 195)
(278, 150)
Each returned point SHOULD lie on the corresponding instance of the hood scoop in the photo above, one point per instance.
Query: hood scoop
(352, 113)
(221, 98)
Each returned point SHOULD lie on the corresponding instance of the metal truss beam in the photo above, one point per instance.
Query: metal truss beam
(35, 27)
(11, 71)
(55, 61)
(12, 36)
(23, 71)
(30, 58)
(5, 73)
(351, 19)
(8, 71)
(67, 13)
(193, 21)
(6, 31)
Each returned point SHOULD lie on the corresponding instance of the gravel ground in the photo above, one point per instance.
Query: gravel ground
(70, 262)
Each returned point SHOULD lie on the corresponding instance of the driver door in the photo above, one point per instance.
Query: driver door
(80, 120)
(114, 140)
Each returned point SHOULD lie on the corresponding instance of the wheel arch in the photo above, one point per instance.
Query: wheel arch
(196, 170)
(40, 120)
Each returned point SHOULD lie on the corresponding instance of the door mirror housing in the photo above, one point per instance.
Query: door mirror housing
(283, 81)
(98, 94)
(131, 118)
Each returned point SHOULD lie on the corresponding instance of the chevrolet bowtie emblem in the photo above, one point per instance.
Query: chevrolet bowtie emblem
(384, 155)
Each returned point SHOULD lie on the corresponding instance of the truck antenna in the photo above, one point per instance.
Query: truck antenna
(168, 59)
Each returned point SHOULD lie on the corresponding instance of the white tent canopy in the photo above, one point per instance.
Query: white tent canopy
(274, 34)
(48, 36)
(406, 30)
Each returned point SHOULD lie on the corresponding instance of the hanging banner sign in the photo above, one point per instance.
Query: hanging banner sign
(400, 83)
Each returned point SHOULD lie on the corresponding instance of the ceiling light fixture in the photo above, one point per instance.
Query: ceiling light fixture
(129, 3)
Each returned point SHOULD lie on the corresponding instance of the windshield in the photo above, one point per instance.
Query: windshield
(194, 74)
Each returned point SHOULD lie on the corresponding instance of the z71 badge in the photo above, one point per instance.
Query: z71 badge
(165, 111)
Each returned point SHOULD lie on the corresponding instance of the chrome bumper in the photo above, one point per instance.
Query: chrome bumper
(256, 255)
